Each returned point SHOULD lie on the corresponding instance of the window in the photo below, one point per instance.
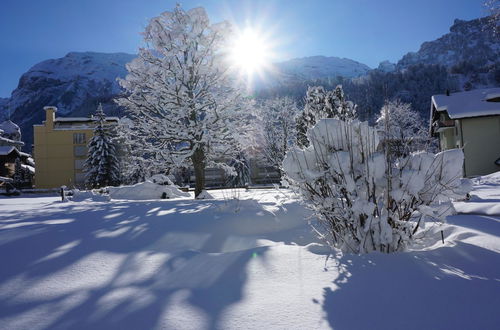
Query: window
(80, 151)
(79, 138)
(79, 178)
(79, 164)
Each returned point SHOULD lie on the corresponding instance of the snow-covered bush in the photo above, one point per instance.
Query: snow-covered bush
(364, 202)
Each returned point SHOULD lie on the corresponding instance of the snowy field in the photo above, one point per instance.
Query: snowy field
(245, 263)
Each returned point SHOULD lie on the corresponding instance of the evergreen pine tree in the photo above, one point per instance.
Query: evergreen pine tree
(102, 165)
(18, 174)
(323, 104)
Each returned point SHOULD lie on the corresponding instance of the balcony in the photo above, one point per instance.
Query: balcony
(442, 125)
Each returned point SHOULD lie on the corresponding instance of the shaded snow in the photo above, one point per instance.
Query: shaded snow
(243, 260)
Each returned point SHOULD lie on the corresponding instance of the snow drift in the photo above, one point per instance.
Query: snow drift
(149, 189)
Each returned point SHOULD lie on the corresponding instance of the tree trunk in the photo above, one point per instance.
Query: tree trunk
(198, 160)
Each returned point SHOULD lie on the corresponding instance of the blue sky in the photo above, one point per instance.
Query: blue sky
(368, 31)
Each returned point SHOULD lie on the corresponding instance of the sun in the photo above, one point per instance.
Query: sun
(250, 52)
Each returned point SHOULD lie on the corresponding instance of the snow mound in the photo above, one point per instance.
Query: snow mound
(204, 195)
(146, 190)
(486, 197)
(493, 178)
(82, 196)
(160, 179)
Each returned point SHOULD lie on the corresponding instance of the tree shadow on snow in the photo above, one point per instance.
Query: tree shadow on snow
(129, 265)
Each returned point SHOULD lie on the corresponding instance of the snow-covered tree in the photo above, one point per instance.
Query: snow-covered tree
(362, 200)
(493, 6)
(102, 165)
(241, 176)
(402, 129)
(320, 104)
(180, 93)
(278, 126)
(19, 175)
(133, 162)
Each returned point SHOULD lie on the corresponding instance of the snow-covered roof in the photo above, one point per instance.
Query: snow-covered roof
(4, 140)
(31, 169)
(5, 150)
(82, 119)
(71, 119)
(475, 103)
(9, 127)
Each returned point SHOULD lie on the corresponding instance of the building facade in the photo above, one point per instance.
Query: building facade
(60, 149)
(471, 121)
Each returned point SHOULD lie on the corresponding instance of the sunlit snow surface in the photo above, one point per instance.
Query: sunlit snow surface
(244, 260)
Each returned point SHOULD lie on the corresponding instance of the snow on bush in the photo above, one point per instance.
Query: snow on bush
(362, 201)
(157, 187)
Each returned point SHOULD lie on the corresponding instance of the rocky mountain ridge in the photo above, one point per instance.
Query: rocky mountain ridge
(318, 67)
(471, 41)
(75, 84)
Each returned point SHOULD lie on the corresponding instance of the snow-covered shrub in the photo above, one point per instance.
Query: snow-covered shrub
(364, 202)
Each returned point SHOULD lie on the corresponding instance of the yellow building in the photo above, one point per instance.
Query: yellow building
(60, 149)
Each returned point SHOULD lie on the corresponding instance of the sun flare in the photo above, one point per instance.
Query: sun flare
(250, 52)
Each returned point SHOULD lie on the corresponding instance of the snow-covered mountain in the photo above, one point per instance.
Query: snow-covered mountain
(75, 83)
(318, 67)
(386, 66)
(473, 42)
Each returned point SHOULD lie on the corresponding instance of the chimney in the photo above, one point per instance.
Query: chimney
(447, 92)
(50, 116)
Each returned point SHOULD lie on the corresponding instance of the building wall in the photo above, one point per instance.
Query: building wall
(58, 157)
(481, 143)
(55, 159)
